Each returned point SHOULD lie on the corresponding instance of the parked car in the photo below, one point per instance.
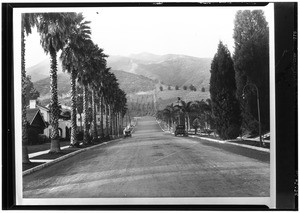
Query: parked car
(180, 130)
(127, 132)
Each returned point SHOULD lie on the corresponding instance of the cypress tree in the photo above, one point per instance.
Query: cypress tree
(225, 106)
(251, 63)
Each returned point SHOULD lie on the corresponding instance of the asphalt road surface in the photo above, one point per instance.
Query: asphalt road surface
(155, 164)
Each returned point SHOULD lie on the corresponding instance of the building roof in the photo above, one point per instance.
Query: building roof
(31, 115)
(39, 106)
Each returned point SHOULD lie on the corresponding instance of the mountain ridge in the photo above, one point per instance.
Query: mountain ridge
(170, 69)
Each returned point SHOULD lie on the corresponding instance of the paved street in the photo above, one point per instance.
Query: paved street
(155, 164)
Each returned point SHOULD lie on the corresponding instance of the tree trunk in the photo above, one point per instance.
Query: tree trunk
(121, 123)
(185, 122)
(188, 122)
(118, 124)
(101, 117)
(73, 140)
(80, 121)
(110, 120)
(85, 111)
(54, 109)
(115, 124)
(25, 158)
(95, 135)
(107, 128)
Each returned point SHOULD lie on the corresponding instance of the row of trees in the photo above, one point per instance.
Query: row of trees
(236, 81)
(193, 114)
(191, 87)
(86, 63)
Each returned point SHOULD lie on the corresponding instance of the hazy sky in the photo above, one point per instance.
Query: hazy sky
(194, 31)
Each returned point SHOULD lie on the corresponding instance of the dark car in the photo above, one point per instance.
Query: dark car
(180, 130)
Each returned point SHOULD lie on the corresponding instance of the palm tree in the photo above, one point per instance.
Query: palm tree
(120, 109)
(170, 112)
(111, 85)
(187, 108)
(72, 58)
(102, 93)
(54, 29)
(97, 66)
(101, 104)
(89, 77)
(28, 21)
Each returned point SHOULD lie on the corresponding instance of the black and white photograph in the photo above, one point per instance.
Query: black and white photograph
(151, 105)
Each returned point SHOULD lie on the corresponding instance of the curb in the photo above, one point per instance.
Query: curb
(32, 155)
(224, 142)
(37, 168)
(235, 144)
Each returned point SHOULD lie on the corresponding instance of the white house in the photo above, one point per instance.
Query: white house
(63, 125)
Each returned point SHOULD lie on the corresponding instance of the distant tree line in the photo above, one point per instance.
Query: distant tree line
(191, 87)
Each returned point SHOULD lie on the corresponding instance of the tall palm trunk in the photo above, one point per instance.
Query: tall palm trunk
(121, 123)
(188, 122)
(110, 120)
(95, 135)
(107, 128)
(185, 124)
(117, 124)
(113, 124)
(25, 158)
(80, 115)
(85, 113)
(55, 145)
(73, 141)
(101, 117)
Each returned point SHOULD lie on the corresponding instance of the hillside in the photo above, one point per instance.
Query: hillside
(132, 83)
(41, 70)
(63, 85)
(170, 69)
(168, 97)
